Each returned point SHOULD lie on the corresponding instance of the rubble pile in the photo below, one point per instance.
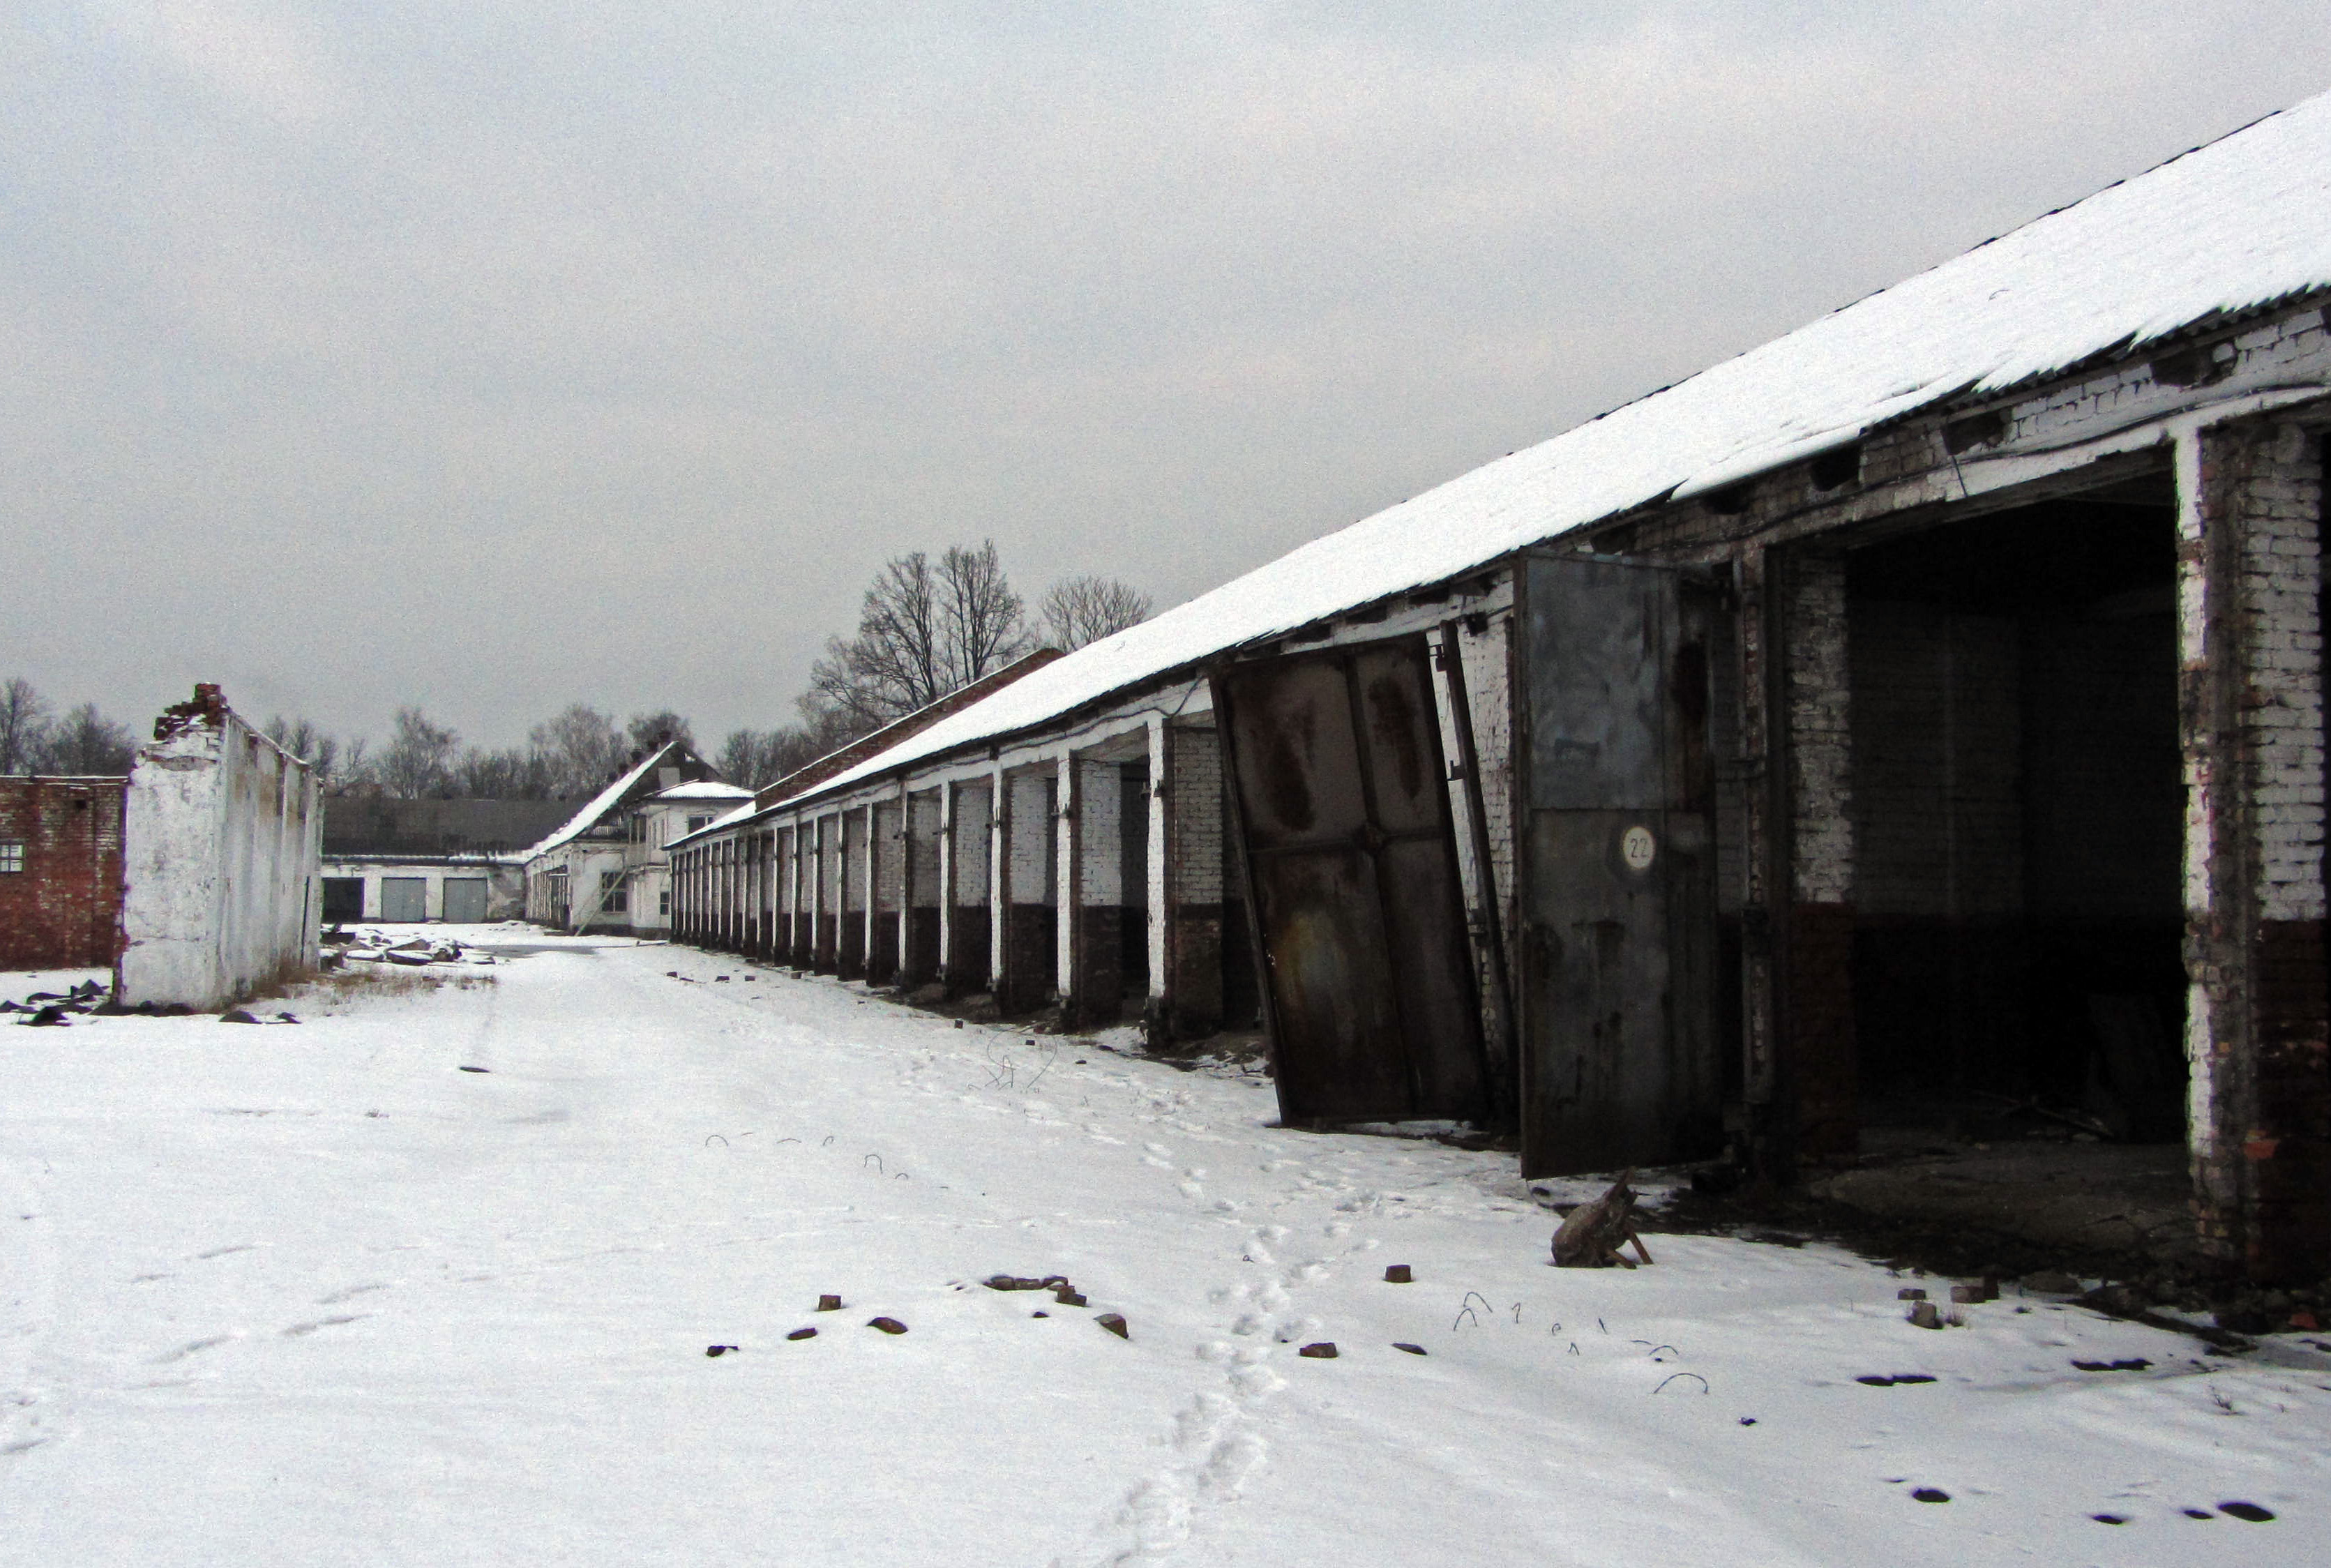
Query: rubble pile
(48, 1009)
(364, 946)
(56, 1009)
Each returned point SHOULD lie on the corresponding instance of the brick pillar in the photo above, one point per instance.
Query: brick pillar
(2250, 702)
(770, 900)
(1157, 913)
(826, 917)
(1816, 1056)
(965, 956)
(918, 940)
(999, 878)
(1068, 839)
(1095, 878)
(886, 845)
(1027, 950)
(1192, 901)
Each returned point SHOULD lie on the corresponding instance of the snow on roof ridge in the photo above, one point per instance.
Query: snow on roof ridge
(601, 803)
(2230, 225)
(702, 789)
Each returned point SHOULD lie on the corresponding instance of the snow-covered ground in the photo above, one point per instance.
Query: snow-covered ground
(316, 1295)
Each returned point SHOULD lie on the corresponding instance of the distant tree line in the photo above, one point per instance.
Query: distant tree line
(927, 626)
(33, 738)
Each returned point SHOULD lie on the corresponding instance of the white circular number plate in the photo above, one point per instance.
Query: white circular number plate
(1638, 849)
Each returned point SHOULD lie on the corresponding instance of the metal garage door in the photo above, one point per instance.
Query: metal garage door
(1619, 1064)
(465, 900)
(404, 899)
(1344, 805)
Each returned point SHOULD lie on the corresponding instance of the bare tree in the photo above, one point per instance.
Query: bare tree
(86, 742)
(1081, 610)
(512, 773)
(303, 739)
(650, 730)
(755, 757)
(745, 756)
(923, 632)
(418, 759)
(982, 616)
(23, 725)
(579, 748)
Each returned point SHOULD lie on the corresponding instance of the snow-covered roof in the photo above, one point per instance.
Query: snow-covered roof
(605, 800)
(727, 818)
(703, 789)
(2242, 222)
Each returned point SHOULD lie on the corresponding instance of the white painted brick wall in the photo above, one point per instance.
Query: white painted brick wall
(972, 814)
(1031, 849)
(1100, 834)
(1820, 744)
(1196, 802)
(829, 864)
(923, 849)
(2279, 497)
(851, 861)
(889, 856)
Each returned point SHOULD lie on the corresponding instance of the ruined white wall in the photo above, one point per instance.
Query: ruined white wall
(224, 838)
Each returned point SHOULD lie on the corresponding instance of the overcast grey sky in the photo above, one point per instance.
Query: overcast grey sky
(499, 354)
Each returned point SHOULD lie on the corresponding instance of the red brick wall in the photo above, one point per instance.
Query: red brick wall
(64, 910)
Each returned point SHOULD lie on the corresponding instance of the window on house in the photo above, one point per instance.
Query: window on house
(12, 855)
(616, 899)
(696, 822)
(663, 903)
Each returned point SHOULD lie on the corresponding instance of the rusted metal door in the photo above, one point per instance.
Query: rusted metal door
(1342, 804)
(1619, 1056)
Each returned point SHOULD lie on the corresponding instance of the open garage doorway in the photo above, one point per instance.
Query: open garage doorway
(2018, 813)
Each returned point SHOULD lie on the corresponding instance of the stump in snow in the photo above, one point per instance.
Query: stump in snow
(1591, 1235)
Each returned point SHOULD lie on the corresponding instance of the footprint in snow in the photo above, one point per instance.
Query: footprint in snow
(1232, 1463)
(337, 1296)
(193, 1347)
(1256, 1382)
(301, 1330)
(1302, 1329)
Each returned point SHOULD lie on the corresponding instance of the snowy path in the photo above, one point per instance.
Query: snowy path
(317, 1295)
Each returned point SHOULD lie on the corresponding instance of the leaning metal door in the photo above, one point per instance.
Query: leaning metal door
(1619, 1057)
(1343, 801)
